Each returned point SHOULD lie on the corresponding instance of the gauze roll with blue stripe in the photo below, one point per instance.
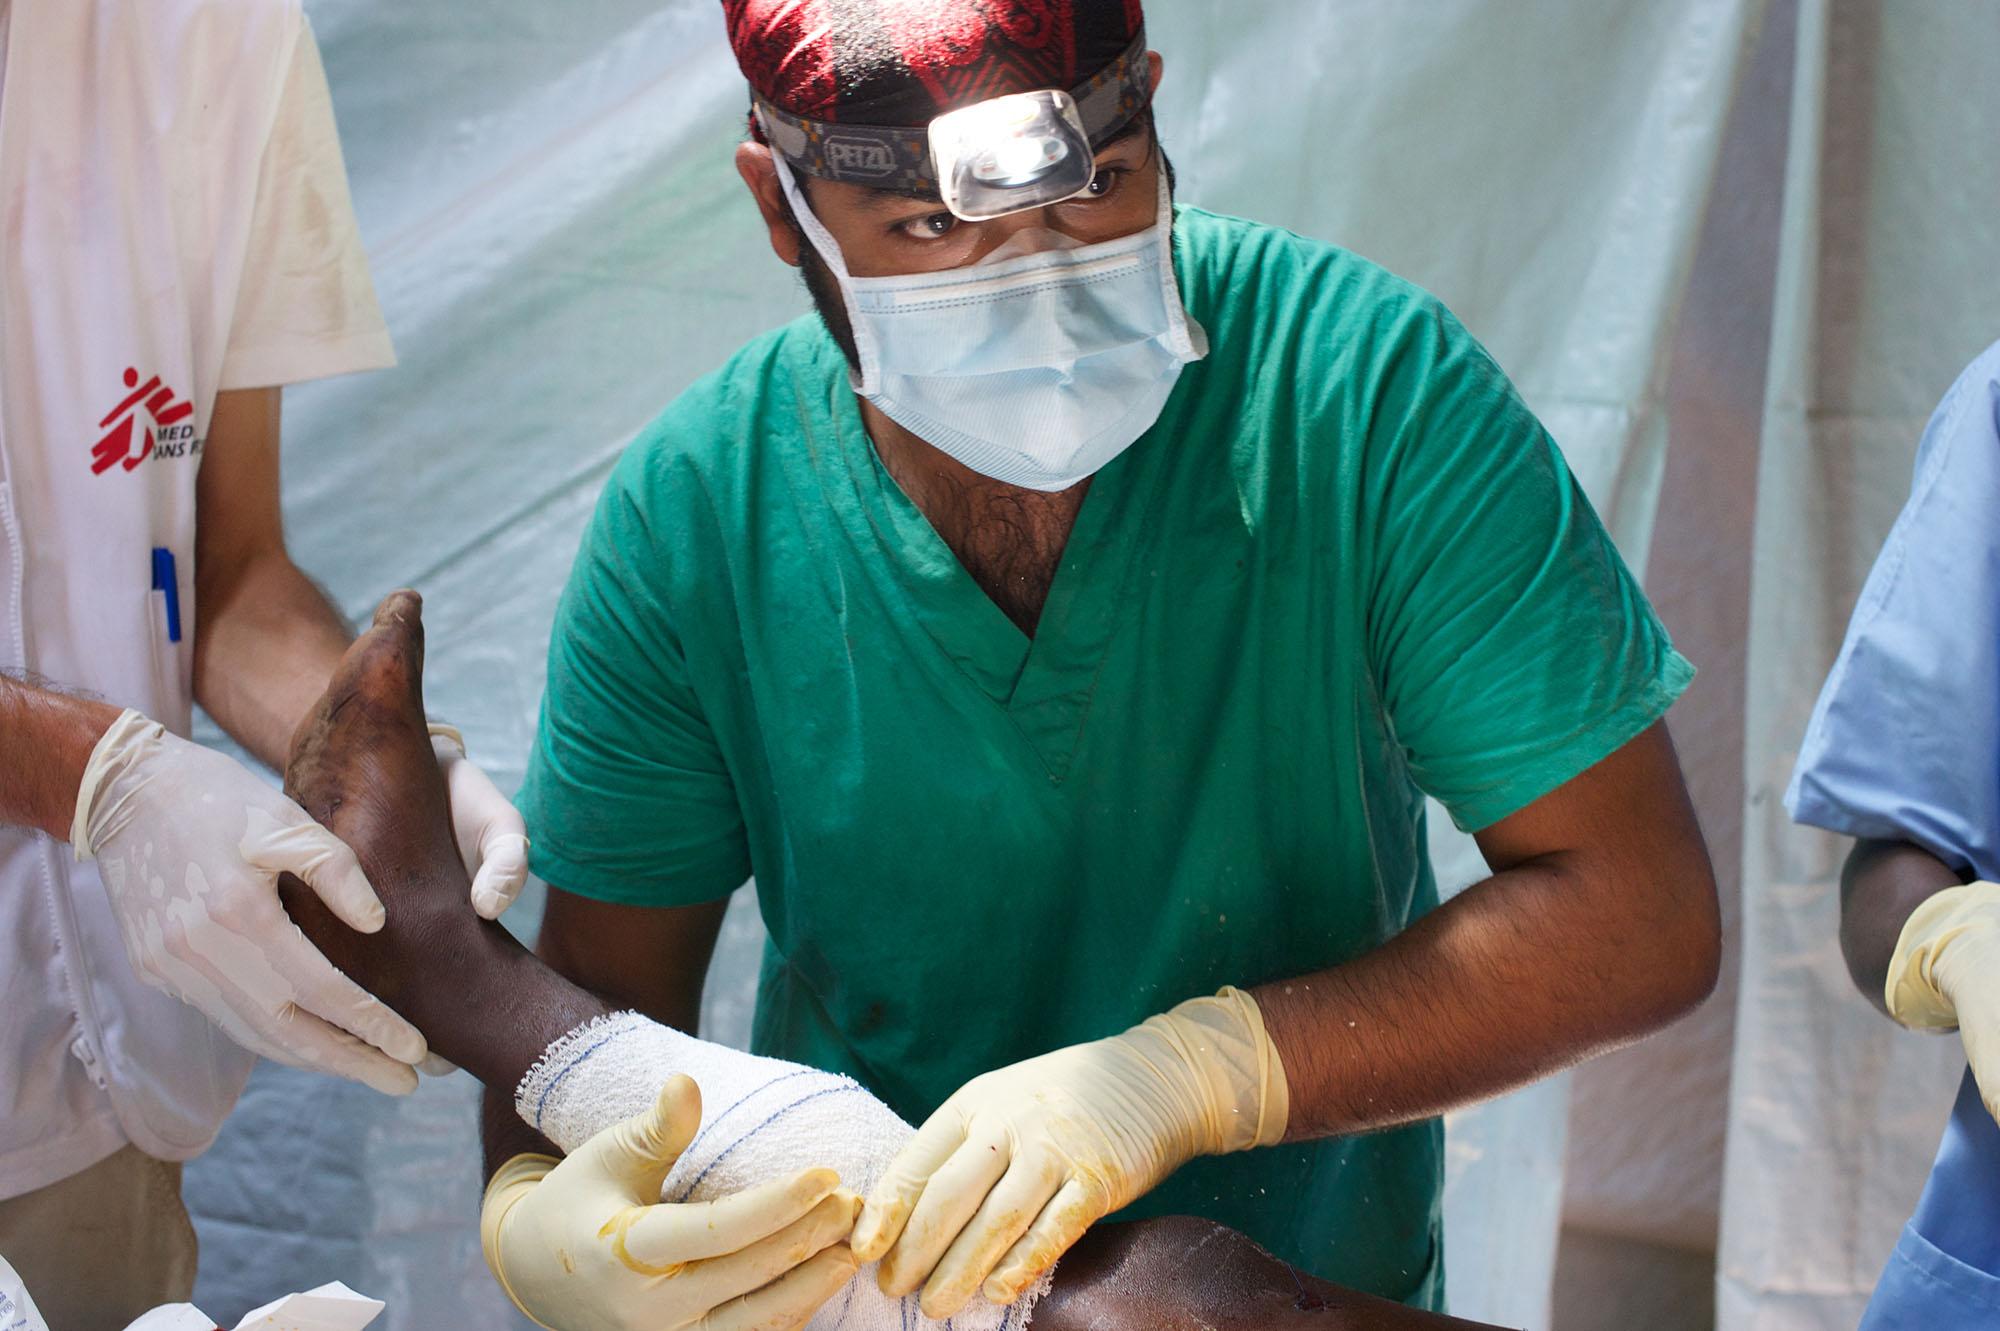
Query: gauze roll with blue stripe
(762, 1119)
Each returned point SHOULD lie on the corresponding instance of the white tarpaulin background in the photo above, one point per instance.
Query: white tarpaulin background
(561, 244)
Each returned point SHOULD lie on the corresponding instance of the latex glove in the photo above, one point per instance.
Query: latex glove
(190, 846)
(492, 838)
(1012, 1169)
(586, 1244)
(1945, 972)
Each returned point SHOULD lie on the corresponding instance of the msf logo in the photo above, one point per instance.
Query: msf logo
(167, 430)
(859, 157)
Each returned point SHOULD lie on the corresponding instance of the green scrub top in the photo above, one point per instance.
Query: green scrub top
(1346, 567)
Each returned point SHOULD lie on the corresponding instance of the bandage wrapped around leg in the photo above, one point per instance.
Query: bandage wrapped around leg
(762, 1118)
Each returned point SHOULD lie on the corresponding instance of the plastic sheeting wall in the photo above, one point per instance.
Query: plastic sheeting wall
(560, 244)
(1887, 285)
(1643, 1178)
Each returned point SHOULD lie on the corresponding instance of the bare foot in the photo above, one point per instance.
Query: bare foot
(361, 764)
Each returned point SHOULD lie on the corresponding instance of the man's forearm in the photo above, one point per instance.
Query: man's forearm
(1884, 881)
(45, 742)
(1510, 981)
(266, 640)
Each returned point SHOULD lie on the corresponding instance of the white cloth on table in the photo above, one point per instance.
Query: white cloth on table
(761, 1118)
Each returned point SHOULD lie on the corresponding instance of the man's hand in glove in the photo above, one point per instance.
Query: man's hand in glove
(586, 1244)
(1946, 972)
(1011, 1170)
(492, 838)
(190, 846)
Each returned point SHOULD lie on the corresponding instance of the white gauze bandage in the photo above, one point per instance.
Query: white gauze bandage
(761, 1119)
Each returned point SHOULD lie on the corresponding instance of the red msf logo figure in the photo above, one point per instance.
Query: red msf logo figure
(165, 432)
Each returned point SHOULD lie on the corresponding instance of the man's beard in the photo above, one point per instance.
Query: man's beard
(824, 287)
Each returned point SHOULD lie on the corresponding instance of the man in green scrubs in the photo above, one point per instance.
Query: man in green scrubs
(1045, 721)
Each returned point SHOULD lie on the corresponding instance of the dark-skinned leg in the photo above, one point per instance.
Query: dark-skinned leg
(362, 764)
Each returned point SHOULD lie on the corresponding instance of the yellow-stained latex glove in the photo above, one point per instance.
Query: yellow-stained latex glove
(1946, 972)
(1012, 1169)
(586, 1244)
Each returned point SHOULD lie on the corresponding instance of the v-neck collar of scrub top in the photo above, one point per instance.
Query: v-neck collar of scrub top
(1044, 684)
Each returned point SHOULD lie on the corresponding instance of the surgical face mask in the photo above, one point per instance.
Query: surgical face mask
(1034, 368)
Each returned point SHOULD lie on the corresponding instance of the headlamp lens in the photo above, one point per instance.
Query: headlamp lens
(1018, 162)
(1026, 150)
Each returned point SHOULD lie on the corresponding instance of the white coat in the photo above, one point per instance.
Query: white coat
(174, 221)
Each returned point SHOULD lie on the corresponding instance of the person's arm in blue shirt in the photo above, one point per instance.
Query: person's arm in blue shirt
(1881, 884)
(1903, 751)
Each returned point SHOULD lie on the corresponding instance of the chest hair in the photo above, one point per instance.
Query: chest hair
(1010, 540)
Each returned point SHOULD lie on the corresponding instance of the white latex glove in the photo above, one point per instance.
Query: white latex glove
(492, 839)
(1945, 972)
(1012, 1169)
(190, 846)
(586, 1244)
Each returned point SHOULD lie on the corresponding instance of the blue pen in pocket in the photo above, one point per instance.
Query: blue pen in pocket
(165, 581)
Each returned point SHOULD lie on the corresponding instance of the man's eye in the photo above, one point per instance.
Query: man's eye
(1105, 181)
(932, 226)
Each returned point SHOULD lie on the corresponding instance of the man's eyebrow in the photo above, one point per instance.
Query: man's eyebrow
(880, 198)
(1132, 127)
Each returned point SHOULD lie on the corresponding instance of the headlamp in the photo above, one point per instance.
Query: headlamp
(1026, 150)
(1000, 156)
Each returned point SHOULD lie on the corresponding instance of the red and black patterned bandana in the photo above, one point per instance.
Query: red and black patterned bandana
(820, 67)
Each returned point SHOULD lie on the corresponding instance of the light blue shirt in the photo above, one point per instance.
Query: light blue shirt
(1942, 1274)
(1905, 742)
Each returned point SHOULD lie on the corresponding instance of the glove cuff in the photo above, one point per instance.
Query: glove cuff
(1246, 1099)
(510, 1184)
(106, 757)
(1913, 990)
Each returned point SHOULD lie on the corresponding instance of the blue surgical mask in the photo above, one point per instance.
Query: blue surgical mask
(1035, 370)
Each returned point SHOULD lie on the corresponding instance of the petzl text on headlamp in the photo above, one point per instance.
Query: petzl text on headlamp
(999, 156)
